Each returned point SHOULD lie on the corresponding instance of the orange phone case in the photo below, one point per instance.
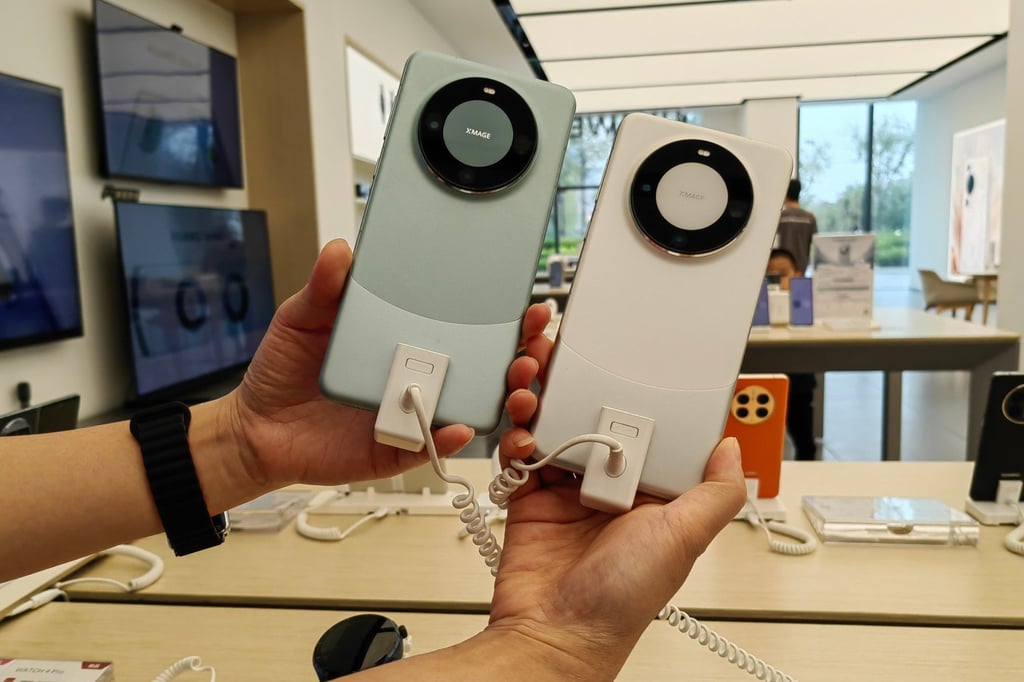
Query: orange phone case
(757, 418)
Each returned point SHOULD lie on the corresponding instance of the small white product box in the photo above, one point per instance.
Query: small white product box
(31, 670)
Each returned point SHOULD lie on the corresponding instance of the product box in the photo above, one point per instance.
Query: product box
(31, 670)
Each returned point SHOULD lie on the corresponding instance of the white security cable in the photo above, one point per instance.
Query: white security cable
(193, 663)
(331, 534)
(807, 542)
(156, 569)
(501, 488)
(1014, 540)
(707, 637)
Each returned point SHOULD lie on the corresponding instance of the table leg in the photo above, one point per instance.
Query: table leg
(986, 294)
(981, 377)
(892, 408)
(818, 401)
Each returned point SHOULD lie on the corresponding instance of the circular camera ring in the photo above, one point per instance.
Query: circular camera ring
(686, 242)
(235, 297)
(190, 303)
(1013, 405)
(462, 176)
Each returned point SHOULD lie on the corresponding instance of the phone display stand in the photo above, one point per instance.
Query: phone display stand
(992, 513)
(889, 520)
(770, 509)
(1004, 510)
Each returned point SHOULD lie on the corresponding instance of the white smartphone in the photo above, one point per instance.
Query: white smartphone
(664, 294)
(451, 234)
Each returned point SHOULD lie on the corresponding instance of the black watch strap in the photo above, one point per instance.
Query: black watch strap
(162, 434)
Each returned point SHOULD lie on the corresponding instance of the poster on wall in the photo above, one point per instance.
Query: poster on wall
(976, 200)
(371, 92)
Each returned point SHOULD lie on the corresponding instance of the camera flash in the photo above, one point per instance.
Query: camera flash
(704, 152)
(489, 91)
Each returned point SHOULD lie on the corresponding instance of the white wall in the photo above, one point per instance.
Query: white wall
(51, 42)
(1011, 263)
(979, 100)
(385, 30)
(775, 121)
(726, 119)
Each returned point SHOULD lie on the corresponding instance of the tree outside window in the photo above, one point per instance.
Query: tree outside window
(590, 143)
(856, 164)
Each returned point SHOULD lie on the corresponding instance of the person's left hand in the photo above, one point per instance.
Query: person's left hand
(290, 432)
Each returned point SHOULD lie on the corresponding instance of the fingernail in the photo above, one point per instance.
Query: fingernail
(524, 442)
(732, 446)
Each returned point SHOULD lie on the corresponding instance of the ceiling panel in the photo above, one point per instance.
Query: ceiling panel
(629, 54)
(685, 96)
(545, 6)
(754, 65)
(737, 25)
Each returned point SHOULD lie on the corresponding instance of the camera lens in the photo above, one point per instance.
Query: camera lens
(691, 197)
(190, 302)
(477, 135)
(523, 144)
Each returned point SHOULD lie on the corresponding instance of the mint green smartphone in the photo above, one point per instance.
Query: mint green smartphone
(451, 235)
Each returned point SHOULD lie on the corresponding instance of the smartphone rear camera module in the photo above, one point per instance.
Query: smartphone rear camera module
(691, 197)
(753, 394)
(1013, 405)
(477, 135)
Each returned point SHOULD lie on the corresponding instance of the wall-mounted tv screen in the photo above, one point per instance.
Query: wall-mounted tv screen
(169, 104)
(39, 296)
(198, 293)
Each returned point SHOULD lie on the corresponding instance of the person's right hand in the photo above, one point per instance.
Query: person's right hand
(585, 583)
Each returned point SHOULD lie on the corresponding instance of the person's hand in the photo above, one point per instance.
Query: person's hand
(289, 431)
(586, 583)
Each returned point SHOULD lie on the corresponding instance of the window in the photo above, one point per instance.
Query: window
(856, 163)
(590, 143)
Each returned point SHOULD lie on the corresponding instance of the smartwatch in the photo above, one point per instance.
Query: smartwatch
(359, 643)
(162, 434)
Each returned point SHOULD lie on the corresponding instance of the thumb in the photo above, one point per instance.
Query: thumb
(700, 513)
(315, 306)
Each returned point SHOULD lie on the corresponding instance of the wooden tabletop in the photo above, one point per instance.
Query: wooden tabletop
(419, 563)
(895, 325)
(277, 644)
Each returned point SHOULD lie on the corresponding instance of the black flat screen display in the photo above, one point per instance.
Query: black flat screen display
(198, 291)
(39, 295)
(169, 104)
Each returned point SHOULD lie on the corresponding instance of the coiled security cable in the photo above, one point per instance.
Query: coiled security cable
(193, 663)
(705, 636)
(511, 479)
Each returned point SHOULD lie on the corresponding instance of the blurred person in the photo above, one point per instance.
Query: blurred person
(800, 408)
(797, 227)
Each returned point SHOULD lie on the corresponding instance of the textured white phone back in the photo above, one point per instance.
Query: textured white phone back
(655, 334)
